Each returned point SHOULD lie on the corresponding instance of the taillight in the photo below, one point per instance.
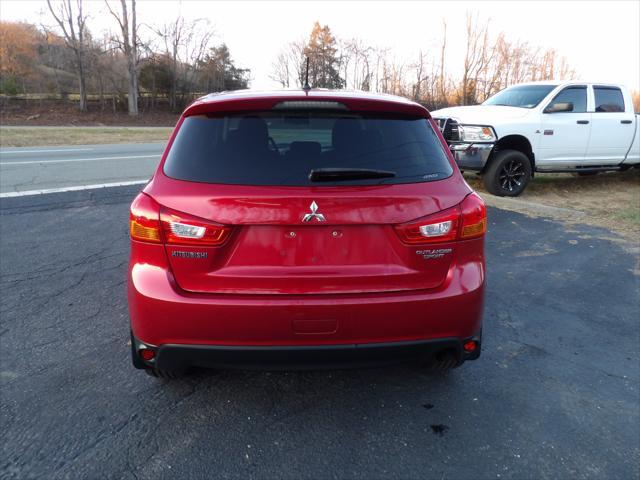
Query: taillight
(465, 221)
(144, 219)
(470, 346)
(183, 229)
(147, 354)
(148, 222)
(437, 228)
(474, 217)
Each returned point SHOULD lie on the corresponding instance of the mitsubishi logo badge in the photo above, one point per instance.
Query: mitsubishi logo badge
(314, 214)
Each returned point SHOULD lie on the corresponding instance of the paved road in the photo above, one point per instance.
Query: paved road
(43, 168)
(554, 395)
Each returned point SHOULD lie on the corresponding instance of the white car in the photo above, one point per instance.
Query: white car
(577, 127)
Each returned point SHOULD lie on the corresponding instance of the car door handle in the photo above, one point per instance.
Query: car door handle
(626, 122)
(582, 122)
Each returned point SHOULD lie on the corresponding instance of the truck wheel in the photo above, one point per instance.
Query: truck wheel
(508, 173)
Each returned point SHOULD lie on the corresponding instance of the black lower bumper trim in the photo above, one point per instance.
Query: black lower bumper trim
(175, 357)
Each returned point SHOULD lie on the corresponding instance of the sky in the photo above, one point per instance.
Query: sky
(601, 39)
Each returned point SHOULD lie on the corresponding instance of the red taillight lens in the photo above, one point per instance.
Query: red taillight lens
(467, 220)
(182, 229)
(474, 217)
(470, 346)
(144, 219)
(148, 222)
(146, 354)
(437, 228)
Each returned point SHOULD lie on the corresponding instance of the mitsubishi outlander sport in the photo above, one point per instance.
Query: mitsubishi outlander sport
(305, 229)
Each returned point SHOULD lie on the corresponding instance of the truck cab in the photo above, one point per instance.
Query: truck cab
(573, 127)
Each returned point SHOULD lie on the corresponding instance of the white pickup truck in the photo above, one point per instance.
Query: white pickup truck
(577, 127)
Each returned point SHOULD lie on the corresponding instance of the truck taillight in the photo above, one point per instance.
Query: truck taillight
(183, 229)
(144, 219)
(465, 221)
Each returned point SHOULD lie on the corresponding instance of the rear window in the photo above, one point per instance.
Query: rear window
(282, 148)
(608, 99)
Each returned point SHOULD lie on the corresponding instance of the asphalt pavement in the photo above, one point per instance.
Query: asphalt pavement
(30, 169)
(554, 394)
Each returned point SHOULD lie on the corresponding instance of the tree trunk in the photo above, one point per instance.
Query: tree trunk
(133, 91)
(68, 22)
(174, 82)
(101, 86)
(130, 51)
(443, 93)
(134, 61)
(82, 87)
(153, 90)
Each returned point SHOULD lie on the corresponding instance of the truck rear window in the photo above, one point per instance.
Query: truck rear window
(282, 148)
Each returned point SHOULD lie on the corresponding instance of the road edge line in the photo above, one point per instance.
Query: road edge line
(74, 188)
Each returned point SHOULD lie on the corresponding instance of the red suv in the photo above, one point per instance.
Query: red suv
(305, 229)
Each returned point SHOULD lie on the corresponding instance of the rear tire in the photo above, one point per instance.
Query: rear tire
(508, 173)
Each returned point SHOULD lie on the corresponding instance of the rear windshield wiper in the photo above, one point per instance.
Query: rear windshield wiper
(337, 174)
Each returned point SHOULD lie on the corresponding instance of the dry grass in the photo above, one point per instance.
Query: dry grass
(610, 200)
(37, 137)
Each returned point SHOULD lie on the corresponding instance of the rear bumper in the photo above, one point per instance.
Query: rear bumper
(228, 327)
(177, 357)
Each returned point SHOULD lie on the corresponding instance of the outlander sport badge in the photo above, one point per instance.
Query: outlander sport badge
(314, 214)
(432, 253)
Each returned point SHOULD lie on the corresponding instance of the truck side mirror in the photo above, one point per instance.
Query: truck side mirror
(559, 107)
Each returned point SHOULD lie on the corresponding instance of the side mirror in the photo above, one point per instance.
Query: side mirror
(559, 107)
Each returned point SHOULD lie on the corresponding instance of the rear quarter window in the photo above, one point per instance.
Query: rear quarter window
(281, 148)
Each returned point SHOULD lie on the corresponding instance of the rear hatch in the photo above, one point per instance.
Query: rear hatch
(303, 202)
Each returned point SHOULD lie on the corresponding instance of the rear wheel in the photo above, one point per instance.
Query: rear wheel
(508, 173)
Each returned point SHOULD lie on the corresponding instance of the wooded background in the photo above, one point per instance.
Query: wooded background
(173, 63)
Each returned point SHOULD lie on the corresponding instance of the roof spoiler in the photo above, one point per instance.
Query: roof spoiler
(309, 104)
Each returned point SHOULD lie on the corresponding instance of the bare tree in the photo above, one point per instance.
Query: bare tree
(74, 30)
(281, 70)
(129, 45)
(289, 67)
(421, 78)
(494, 69)
(172, 34)
(357, 60)
(475, 59)
(186, 43)
(197, 41)
(442, 81)
(565, 71)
